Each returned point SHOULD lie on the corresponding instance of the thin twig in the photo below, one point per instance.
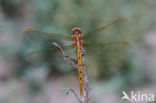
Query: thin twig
(73, 62)
(86, 86)
(71, 90)
(67, 58)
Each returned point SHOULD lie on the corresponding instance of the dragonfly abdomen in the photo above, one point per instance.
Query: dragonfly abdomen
(80, 70)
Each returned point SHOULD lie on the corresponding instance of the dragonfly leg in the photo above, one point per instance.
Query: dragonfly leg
(83, 52)
(67, 58)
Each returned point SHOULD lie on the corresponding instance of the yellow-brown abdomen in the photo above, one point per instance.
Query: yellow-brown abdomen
(80, 70)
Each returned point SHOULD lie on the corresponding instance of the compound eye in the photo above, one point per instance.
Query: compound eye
(73, 31)
(76, 31)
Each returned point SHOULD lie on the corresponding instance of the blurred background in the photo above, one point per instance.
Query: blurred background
(111, 69)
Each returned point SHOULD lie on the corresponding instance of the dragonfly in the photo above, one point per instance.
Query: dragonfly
(78, 39)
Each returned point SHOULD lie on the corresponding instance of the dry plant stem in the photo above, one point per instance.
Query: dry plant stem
(85, 81)
(69, 89)
(73, 62)
(67, 58)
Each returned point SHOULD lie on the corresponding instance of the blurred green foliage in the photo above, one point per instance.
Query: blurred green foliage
(60, 16)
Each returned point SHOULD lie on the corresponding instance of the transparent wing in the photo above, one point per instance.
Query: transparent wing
(38, 48)
(102, 49)
(86, 35)
(47, 55)
(50, 35)
(106, 55)
(40, 56)
(98, 48)
(98, 44)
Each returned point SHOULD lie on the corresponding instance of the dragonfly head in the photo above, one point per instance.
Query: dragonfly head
(76, 31)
